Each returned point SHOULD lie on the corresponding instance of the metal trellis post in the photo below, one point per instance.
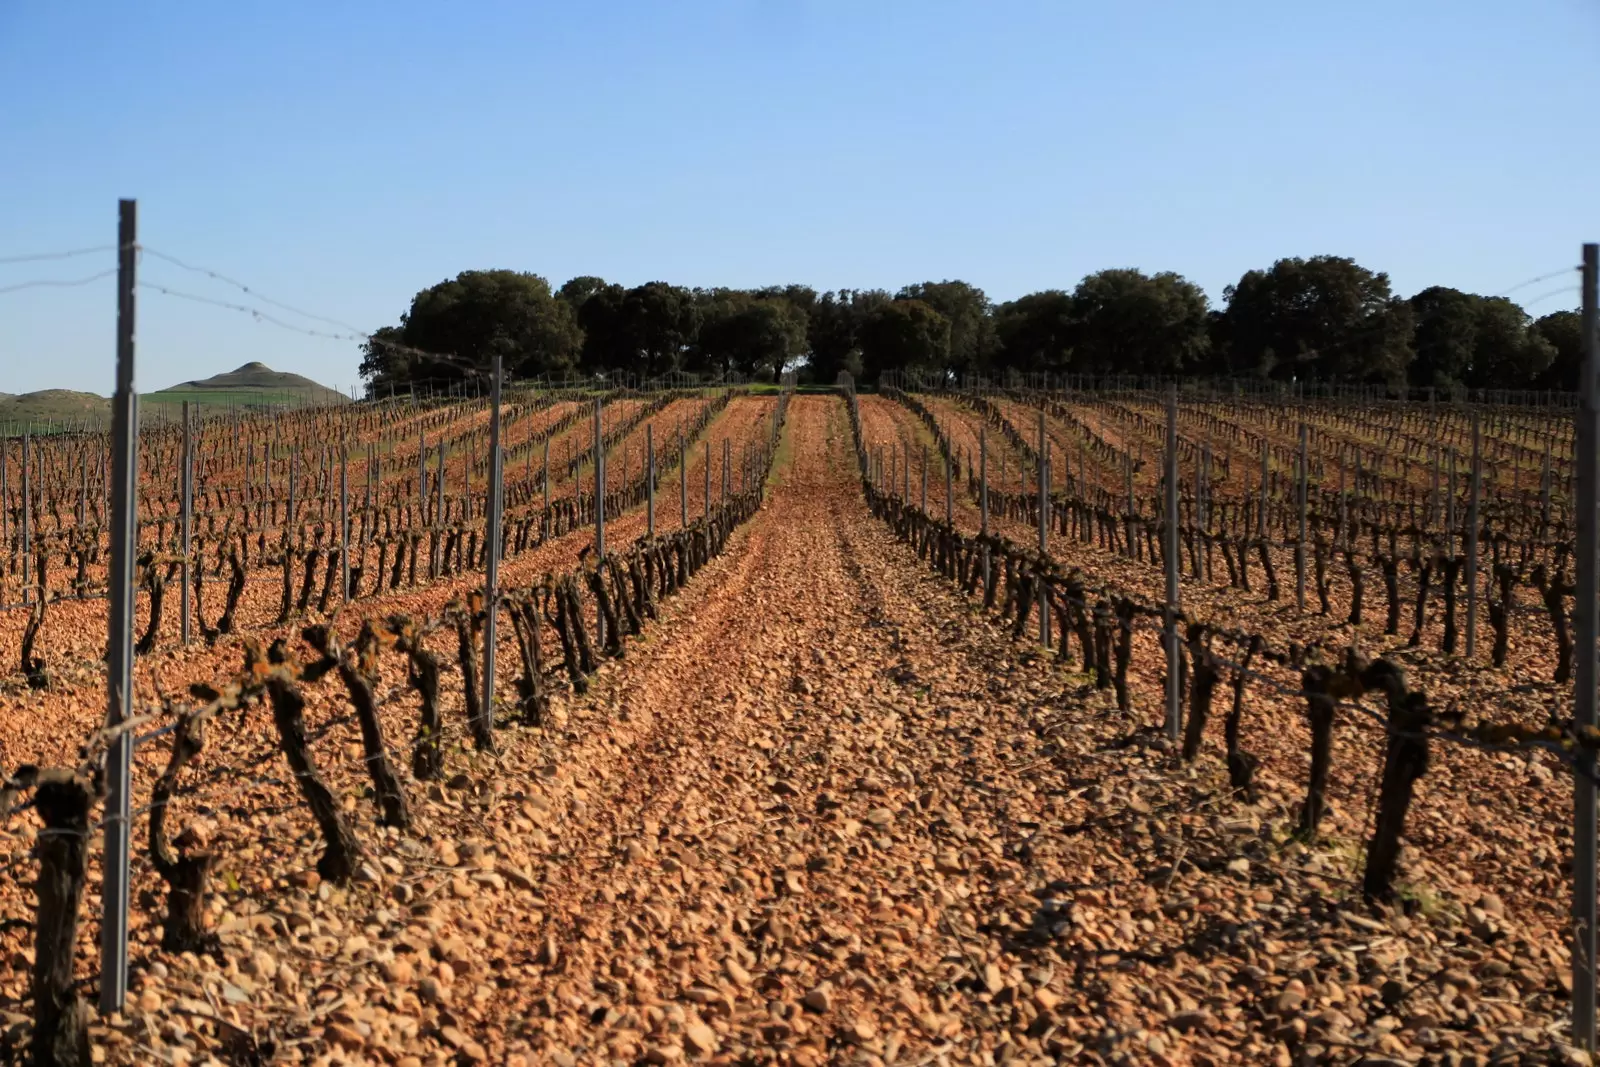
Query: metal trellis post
(1174, 704)
(119, 657)
(1587, 618)
(186, 484)
(1473, 493)
(491, 592)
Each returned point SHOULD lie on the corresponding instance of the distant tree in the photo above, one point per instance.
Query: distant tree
(904, 335)
(577, 291)
(1462, 339)
(463, 322)
(1324, 318)
(971, 316)
(1034, 332)
(606, 344)
(833, 332)
(661, 322)
(802, 297)
(752, 333)
(1127, 322)
(1563, 332)
(384, 361)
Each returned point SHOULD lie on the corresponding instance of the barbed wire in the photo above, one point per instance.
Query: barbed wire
(242, 287)
(38, 257)
(1536, 281)
(57, 283)
(1553, 292)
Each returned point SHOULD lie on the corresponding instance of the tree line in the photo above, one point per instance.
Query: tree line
(1323, 318)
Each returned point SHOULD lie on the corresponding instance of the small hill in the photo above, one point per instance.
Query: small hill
(53, 405)
(251, 385)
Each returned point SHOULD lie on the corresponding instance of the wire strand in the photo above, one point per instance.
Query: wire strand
(39, 257)
(242, 287)
(1536, 281)
(57, 283)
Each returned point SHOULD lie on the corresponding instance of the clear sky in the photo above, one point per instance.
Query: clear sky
(339, 156)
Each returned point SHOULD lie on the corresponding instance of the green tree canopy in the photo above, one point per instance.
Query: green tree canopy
(751, 333)
(1563, 332)
(1128, 322)
(645, 330)
(1325, 318)
(1034, 332)
(833, 331)
(904, 335)
(466, 320)
(1463, 339)
(971, 317)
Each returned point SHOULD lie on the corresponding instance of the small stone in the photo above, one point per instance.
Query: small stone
(819, 999)
(992, 980)
(1045, 1000)
(344, 1036)
(700, 1038)
(261, 965)
(1185, 1021)
(1240, 866)
(735, 972)
(861, 1031)
(880, 817)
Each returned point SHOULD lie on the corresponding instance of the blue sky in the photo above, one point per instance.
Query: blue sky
(340, 156)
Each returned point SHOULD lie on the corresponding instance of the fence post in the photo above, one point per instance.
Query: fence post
(949, 492)
(1587, 616)
(27, 519)
(368, 516)
(1472, 534)
(186, 488)
(924, 479)
(1301, 489)
(83, 494)
(344, 520)
(708, 482)
(119, 650)
(1174, 704)
(1261, 516)
(683, 479)
(491, 594)
(1450, 507)
(727, 448)
(983, 498)
(5, 516)
(599, 509)
(1041, 590)
(1202, 503)
(1544, 492)
(294, 478)
(438, 509)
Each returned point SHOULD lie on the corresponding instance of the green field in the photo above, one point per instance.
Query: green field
(253, 385)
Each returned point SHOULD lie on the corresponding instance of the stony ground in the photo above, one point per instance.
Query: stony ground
(827, 812)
